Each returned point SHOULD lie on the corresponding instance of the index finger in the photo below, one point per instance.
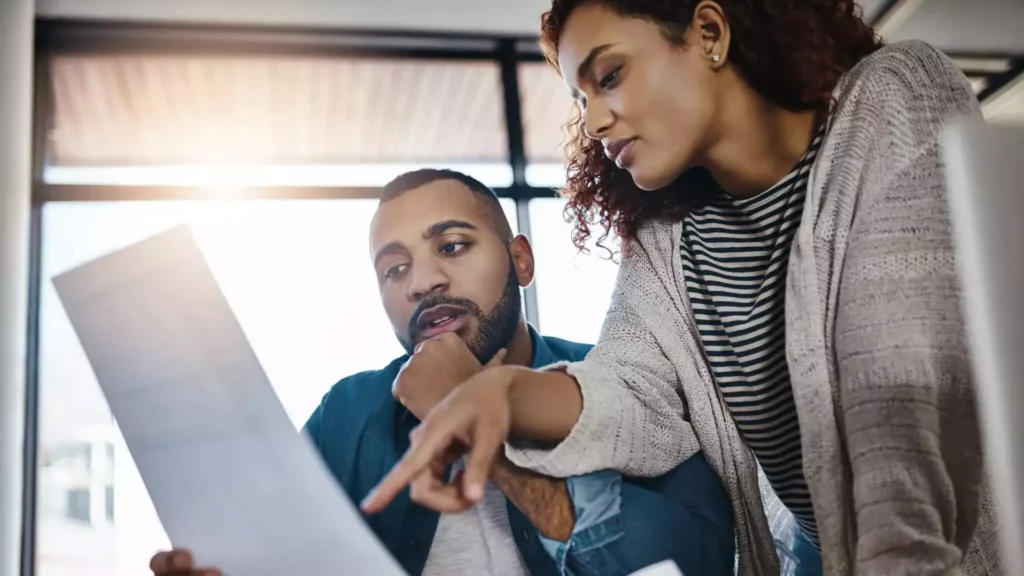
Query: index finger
(431, 445)
(486, 443)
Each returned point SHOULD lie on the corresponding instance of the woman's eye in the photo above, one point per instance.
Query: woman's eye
(610, 79)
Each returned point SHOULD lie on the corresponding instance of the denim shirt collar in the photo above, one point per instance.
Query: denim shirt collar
(542, 354)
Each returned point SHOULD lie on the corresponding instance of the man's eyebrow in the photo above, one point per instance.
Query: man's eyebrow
(435, 230)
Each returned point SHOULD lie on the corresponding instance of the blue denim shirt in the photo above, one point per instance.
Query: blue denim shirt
(622, 524)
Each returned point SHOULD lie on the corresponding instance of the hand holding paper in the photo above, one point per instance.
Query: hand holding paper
(229, 476)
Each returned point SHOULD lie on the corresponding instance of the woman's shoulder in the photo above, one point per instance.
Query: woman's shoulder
(655, 239)
(648, 258)
(893, 105)
(900, 75)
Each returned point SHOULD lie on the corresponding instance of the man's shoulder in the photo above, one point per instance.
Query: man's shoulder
(567, 350)
(362, 387)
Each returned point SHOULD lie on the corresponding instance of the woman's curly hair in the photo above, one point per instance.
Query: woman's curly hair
(792, 52)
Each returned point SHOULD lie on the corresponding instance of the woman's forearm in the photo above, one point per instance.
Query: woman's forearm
(544, 405)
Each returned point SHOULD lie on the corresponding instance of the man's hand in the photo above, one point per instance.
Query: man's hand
(178, 562)
(475, 417)
(438, 366)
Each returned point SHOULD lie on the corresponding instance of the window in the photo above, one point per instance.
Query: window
(144, 115)
(194, 120)
(74, 458)
(298, 277)
(78, 505)
(547, 107)
(109, 450)
(108, 495)
(573, 289)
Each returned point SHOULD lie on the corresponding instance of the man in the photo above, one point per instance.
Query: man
(450, 271)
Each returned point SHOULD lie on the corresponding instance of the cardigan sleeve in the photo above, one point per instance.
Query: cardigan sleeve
(633, 417)
(907, 400)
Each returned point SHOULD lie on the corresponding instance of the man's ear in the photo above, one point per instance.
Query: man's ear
(522, 258)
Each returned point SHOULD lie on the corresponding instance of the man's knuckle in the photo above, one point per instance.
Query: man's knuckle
(427, 427)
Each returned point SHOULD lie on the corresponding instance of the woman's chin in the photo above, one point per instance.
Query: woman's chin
(649, 182)
(651, 178)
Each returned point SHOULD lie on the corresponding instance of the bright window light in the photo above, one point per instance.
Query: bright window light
(545, 175)
(573, 289)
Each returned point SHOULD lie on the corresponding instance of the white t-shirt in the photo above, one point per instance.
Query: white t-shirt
(478, 541)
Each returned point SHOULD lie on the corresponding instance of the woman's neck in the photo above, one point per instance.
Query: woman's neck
(757, 143)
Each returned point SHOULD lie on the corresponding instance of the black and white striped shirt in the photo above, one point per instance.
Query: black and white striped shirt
(735, 254)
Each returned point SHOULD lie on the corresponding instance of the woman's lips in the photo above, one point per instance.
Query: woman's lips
(620, 151)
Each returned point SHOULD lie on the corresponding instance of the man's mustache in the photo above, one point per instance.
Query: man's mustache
(439, 300)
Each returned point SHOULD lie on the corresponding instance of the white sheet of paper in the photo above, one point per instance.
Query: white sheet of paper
(230, 477)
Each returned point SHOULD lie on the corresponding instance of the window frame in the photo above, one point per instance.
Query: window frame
(62, 37)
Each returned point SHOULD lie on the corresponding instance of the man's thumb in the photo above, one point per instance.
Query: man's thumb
(497, 359)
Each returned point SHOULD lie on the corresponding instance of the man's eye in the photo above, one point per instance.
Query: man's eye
(395, 271)
(452, 248)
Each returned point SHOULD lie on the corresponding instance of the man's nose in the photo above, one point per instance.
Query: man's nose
(427, 280)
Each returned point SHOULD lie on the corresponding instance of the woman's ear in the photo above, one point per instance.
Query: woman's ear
(711, 33)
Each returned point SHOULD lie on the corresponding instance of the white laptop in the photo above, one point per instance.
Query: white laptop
(985, 166)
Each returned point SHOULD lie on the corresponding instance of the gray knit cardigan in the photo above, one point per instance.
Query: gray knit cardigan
(875, 340)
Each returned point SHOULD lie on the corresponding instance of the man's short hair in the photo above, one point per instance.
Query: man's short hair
(418, 178)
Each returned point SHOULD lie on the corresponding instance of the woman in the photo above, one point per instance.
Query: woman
(788, 297)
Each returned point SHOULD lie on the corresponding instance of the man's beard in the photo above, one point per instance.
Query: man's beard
(495, 329)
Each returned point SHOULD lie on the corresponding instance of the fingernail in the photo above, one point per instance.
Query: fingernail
(475, 492)
(179, 561)
(366, 501)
